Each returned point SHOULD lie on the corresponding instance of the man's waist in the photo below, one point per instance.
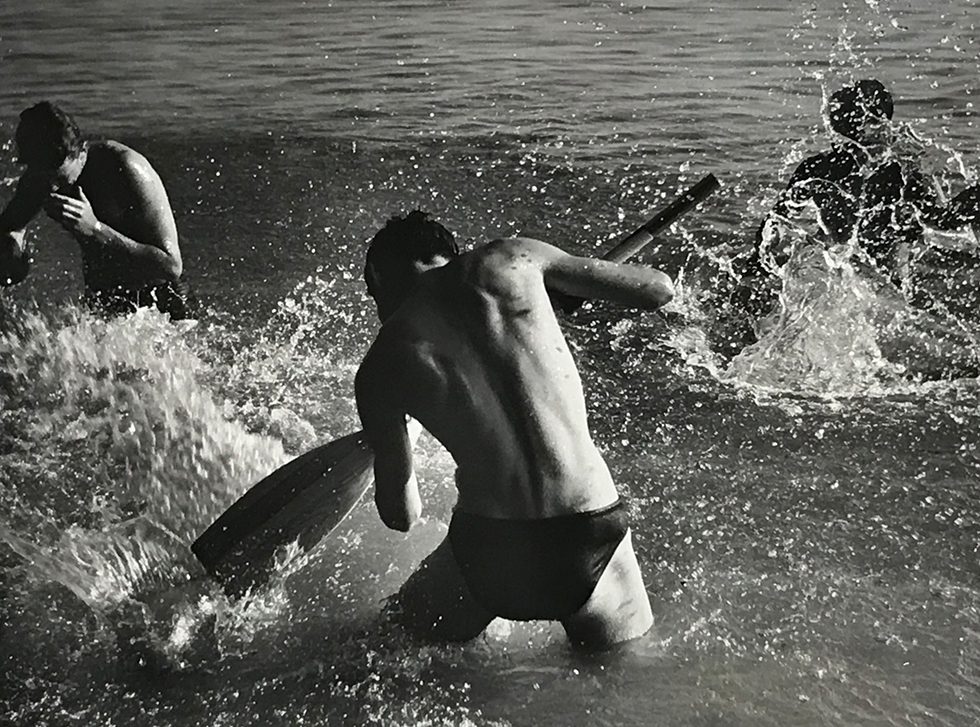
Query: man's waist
(597, 506)
(544, 500)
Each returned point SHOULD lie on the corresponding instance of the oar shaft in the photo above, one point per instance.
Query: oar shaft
(662, 220)
(645, 233)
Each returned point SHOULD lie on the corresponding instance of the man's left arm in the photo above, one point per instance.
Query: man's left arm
(962, 210)
(153, 247)
(15, 259)
(636, 286)
(396, 492)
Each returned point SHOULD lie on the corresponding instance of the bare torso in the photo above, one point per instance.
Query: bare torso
(118, 201)
(477, 356)
(137, 246)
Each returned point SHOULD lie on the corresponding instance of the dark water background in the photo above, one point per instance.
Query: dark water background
(806, 515)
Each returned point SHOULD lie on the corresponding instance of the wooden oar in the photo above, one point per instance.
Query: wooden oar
(308, 497)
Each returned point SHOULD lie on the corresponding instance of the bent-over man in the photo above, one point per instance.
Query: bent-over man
(112, 202)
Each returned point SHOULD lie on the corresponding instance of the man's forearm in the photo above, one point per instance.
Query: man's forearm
(15, 263)
(398, 506)
(962, 210)
(153, 260)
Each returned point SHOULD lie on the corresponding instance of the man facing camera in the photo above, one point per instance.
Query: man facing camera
(112, 202)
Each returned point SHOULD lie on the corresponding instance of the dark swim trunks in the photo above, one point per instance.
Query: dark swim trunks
(173, 298)
(527, 570)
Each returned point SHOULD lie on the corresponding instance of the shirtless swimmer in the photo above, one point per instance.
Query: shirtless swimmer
(471, 348)
(126, 234)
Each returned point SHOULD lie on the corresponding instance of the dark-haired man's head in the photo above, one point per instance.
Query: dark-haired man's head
(47, 139)
(861, 111)
(401, 251)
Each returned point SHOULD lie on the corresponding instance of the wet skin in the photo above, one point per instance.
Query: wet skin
(476, 354)
(114, 204)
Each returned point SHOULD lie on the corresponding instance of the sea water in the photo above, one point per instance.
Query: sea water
(805, 510)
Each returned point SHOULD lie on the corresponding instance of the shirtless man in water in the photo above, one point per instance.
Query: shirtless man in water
(864, 188)
(111, 201)
(471, 348)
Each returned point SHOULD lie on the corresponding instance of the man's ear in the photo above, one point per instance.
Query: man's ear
(372, 278)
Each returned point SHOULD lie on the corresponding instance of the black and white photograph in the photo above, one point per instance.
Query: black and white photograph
(489, 364)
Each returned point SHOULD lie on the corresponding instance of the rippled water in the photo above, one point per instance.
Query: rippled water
(806, 513)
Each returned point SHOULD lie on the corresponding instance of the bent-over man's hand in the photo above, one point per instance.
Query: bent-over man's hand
(75, 215)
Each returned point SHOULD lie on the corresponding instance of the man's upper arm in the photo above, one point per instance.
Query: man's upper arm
(384, 424)
(152, 212)
(632, 285)
(27, 201)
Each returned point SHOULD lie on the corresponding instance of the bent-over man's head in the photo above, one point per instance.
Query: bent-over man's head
(859, 110)
(401, 251)
(47, 137)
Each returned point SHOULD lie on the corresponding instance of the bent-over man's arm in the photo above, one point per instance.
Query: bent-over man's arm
(27, 201)
(151, 242)
(396, 492)
(832, 181)
(957, 213)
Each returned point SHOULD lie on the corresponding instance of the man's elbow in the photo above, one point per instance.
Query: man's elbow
(15, 262)
(661, 289)
(170, 260)
(174, 267)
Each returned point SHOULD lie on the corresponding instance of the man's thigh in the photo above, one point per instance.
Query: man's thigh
(619, 607)
(435, 602)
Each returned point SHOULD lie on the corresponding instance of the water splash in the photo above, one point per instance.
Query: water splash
(822, 336)
(115, 457)
(292, 378)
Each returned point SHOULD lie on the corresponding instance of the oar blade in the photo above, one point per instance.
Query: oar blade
(304, 500)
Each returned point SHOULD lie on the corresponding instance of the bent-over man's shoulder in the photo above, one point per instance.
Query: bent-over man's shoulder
(836, 163)
(508, 259)
(128, 161)
(518, 247)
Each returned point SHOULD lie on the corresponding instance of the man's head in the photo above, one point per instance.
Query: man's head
(48, 141)
(401, 251)
(860, 111)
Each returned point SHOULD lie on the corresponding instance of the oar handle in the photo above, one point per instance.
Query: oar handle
(645, 233)
(663, 219)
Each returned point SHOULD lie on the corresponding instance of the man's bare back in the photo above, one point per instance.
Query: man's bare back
(482, 363)
(474, 351)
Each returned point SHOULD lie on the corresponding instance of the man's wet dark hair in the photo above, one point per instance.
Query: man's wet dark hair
(850, 107)
(395, 249)
(46, 136)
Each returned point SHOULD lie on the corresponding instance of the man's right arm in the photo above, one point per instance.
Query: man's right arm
(396, 492)
(25, 204)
